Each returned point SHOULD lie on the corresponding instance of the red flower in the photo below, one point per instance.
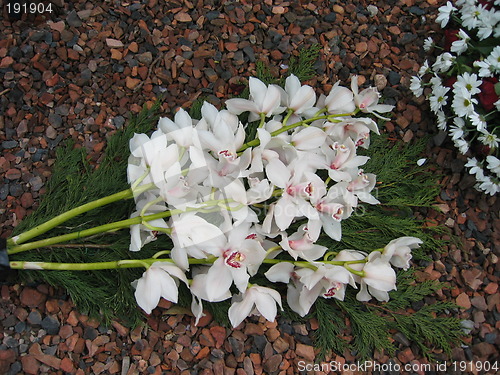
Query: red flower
(488, 4)
(450, 35)
(488, 96)
(450, 81)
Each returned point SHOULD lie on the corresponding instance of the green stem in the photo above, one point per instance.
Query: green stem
(117, 264)
(58, 220)
(111, 227)
(270, 250)
(289, 113)
(262, 120)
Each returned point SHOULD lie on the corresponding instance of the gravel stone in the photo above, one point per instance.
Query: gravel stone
(51, 325)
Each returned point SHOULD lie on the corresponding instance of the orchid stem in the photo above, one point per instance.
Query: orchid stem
(111, 227)
(262, 120)
(58, 220)
(289, 113)
(270, 250)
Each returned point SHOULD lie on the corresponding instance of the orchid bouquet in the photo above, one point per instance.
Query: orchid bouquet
(465, 90)
(236, 206)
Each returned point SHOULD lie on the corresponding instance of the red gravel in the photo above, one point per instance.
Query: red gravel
(78, 72)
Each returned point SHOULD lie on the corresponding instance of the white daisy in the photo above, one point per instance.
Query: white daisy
(493, 164)
(475, 167)
(485, 68)
(470, 14)
(444, 62)
(416, 86)
(487, 185)
(463, 104)
(459, 46)
(424, 69)
(467, 82)
(494, 59)
(478, 121)
(441, 120)
(462, 145)
(438, 99)
(428, 44)
(444, 13)
(488, 139)
(457, 129)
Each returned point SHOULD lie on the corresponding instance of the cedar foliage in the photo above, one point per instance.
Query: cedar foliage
(109, 295)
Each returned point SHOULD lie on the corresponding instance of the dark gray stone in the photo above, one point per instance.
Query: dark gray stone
(55, 120)
(16, 190)
(119, 121)
(89, 333)
(10, 321)
(4, 191)
(401, 338)
(260, 343)
(330, 17)
(51, 325)
(37, 36)
(9, 144)
(34, 318)
(407, 38)
(416, 11)
(20, 327)
(15, 368)
(236, 346)
(439, 138)
(73, 20)
(394, 78)
(248, 50)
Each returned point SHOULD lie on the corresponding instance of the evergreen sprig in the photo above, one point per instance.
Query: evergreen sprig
(109, 295)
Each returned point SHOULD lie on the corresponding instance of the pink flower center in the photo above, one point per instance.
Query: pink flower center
(251, 236)
(304, 190)
(233, 258)
(227, 154)
(333, 290)
(359, 183)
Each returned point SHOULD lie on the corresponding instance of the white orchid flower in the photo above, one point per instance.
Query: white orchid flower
(358, 129)
(367, 100)
(238, 259)
(211, 115)
(308, 138)
(332, 279)
(263, 100)
(157, 282)
(181, 130)
(341, 158)
(259, 191)
(301, 244)
(299, 185)
(223, 139)
(255, 300)
(379, 278)
(340, 100)
(348, 255)
(297, 97)
(300, 298)
(398, 251)
(143, 151)
(199, 289)
(332, 209)
(359, 187)
(140, 234)
(197, 243)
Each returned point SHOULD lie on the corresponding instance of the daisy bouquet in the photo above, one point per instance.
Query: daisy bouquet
(238, 204)
(462, 85)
